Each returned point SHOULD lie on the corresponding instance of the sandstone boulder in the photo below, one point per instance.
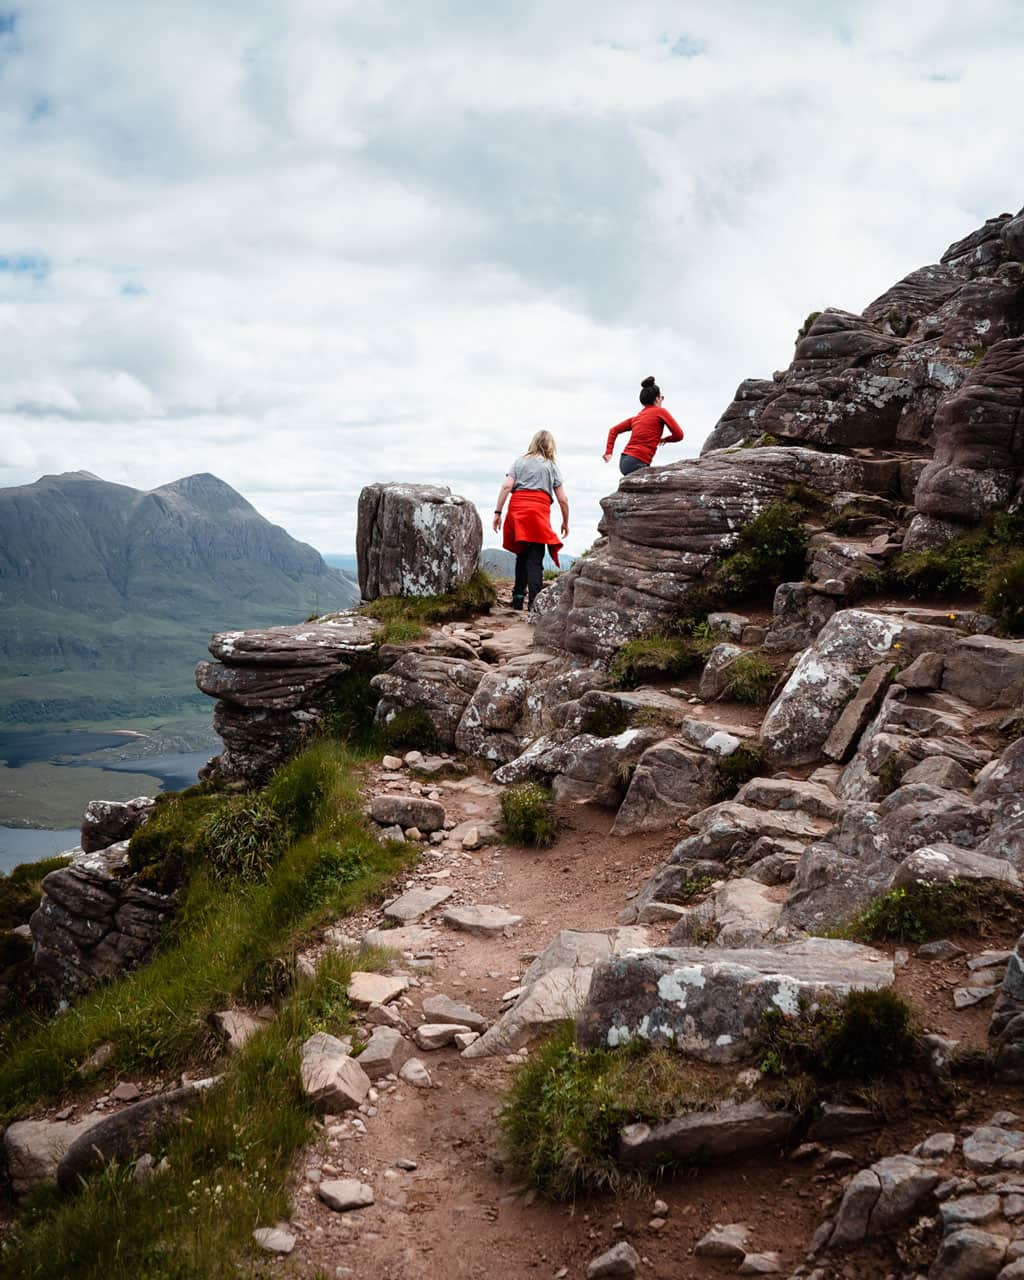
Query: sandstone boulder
(415, 540)
(94, 922)
(709, 1004)
(107, 822)
(441, 686)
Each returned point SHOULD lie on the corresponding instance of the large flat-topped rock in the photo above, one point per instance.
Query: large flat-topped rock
(310, 645)
(415, 540)
(709, 1003)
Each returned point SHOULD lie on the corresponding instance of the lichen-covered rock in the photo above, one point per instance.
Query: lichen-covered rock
(107, 822)
(828, 675)
(554, 987)
(979, 452)
(94, 922)
(798, 614)
(437, 685)
(671, 781)
(710, 1003)
(415, 540)
(273, 685)
(487, 728)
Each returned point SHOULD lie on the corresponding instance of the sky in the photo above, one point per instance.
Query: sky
(307, 245)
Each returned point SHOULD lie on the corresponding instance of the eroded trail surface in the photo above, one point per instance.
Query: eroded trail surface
(445, 1205)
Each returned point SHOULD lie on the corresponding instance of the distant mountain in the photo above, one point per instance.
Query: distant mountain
(109, 594)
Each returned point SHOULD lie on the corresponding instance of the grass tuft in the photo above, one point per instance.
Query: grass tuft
(561, 1122)
(529, 816)
(863, 1036)
(406, 618)
(750, 678)
(925, 912)
(411, 728)
(654, 657)
(607, 719)
(746, 762)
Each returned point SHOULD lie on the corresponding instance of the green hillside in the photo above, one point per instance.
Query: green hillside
(108, 595)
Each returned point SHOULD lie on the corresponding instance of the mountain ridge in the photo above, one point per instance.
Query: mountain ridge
(100, 578)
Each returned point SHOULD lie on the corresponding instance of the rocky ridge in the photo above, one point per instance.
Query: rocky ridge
(890, 752)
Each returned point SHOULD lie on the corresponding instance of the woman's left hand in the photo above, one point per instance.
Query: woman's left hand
(565, 528)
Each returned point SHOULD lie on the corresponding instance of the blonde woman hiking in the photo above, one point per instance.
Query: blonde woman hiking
(533, 481)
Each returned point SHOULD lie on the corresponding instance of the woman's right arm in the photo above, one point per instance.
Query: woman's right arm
(503, 493)
(616, 431)
(563, 502)
(674, 429)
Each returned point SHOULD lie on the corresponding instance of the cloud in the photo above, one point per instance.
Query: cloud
(312, 245)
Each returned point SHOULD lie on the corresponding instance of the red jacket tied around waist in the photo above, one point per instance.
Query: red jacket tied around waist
(529, 520)
(646, 432)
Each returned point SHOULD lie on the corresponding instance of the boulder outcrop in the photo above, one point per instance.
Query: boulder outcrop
(273, 688)
(415, 540)
(94, 922)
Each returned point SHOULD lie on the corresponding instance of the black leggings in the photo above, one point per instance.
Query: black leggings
(629, 464)
(529, 574)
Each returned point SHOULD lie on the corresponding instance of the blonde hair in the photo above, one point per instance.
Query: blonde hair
(543, 443)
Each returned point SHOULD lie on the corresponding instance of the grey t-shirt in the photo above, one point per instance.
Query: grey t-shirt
(535, 473)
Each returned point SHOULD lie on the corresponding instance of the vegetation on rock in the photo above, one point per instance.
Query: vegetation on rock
(405, 618)
(746, 762)
(751, 678)
(863, 1036)
(411, 728)
(771, 549)
(19, 889)
(528, 815)
(564, 1113)
(925, 912)
(654, 657)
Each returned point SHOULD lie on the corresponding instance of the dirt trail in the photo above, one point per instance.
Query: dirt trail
(459, 1212)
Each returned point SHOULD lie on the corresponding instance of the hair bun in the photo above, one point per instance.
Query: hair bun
(648, 382)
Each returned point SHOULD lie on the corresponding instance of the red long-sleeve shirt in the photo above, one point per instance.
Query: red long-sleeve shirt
(646, 432)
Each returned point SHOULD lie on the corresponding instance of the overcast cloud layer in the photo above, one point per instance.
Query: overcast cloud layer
(306, 244)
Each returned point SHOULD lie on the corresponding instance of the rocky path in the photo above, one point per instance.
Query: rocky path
(443, 1202)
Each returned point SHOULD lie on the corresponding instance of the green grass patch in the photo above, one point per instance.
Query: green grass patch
(771, 549)
(864, 1036)
(20, 891)
(987, 563)
(406, 618)
(562, 1118)
(410, 728)
(926, 912)
(746, 762)
(1003, 593)
(750, 679)
(528, 815)
(228, 1169)
(232, 938)
(607, 719)
(654, 657)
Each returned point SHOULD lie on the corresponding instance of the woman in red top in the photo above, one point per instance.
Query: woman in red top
(645, 430)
